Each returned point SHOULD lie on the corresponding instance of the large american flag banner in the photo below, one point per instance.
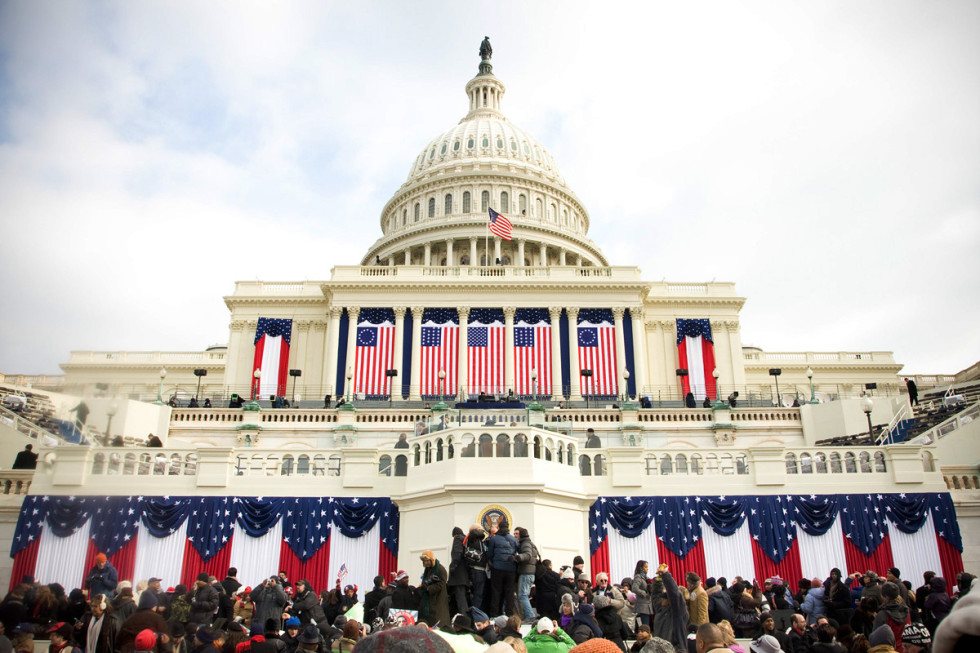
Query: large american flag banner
(271, 356)
(789, 536)
(696, 354)
(597, 352)
(485, 351)
(439, 351)
(175, 538)
(374, 353)
(532, 351)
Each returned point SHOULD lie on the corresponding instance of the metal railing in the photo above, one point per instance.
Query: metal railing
(954, 423)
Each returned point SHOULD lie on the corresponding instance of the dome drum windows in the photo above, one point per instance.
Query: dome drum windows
(486, 142)
(484, 201)
(522, 203)
(448, 208)
(504, 202)
(432, 207)
(418, 211)
(466, 202)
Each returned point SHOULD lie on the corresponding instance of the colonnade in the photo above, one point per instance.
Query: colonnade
(431, 250)
(331, 358)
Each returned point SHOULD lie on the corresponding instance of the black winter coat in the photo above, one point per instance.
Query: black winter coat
(203, 602)
(459, 573)
(528, 556)
(612, 625)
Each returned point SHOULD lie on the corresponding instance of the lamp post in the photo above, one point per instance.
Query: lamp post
(715, 374)
(534, 383)
(774, 373)
(626, 386)
(163, 375)
(294, 374)
(867, 406)
(111, 412)
(441, 406)
(199, 373)
(350, 376)
(809, 375)
(257, 375)
(588, 376)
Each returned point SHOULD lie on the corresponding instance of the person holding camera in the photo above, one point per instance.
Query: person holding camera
(270, 602)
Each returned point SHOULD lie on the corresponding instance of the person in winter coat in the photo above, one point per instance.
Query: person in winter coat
(123, 606)
(203, 599)
(611, 624)
(102, 578)
(937, 605)
(872, 587)
(180, 607)
(627, 613)
(244, 608)
(678, 607)
(893, 613)
(584, 626)
(226, 599)
(372, 598)
(270, 602)
(663, 625)
(306, 606)
(475, 555)
(568, 586)
(435, 595)
(459, 573)
(527, 562)
(503, 570)
(146, 616)
(97, 630)
(643, 606)
(404, 596)
(719, 602)
(837, 598)
(813, 606)
(546, 590)
(548, 637)
(863, 619)
(566, 612)
(697, 602)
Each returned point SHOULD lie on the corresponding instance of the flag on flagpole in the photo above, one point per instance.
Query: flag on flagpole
(532, 351)
(696, 354)
(597, 352)
(485, 351)
(271, 356)
(500, 225)
(439, 350)
(374, 354)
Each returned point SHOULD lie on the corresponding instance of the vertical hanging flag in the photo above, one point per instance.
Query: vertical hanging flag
(597, 352)
(696, 354)
(532, 352)
(271, 356)
(374, 353)
(439, 351)
(485, 351)
(500, 225)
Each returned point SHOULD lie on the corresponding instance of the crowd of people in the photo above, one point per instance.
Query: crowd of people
(537, 609)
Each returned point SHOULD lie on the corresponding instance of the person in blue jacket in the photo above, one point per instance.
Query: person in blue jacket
(502, 553)
(103, 578)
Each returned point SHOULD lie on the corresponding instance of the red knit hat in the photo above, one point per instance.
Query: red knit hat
(145, 640)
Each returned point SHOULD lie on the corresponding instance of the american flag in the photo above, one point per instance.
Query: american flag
(532, 351)
(375, 350)
(439, 351)
(500, 225)
(696, 354)
(272, 339)
(485, 351)
(597, 352)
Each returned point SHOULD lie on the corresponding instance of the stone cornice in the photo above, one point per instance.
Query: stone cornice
(520, 287)
(232, 301)
(737, 302)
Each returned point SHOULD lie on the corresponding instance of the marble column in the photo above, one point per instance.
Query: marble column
(449, 252)
(544, 255)
(352, 314)
(509, 312)
(408, 256)
(561, 257)
(618, 313)
(520, 252)
(314, 383)
(735, 350)
(473, 259)
(642, 377)
(232, 368)
(496, 252)
(396, 363)
(672, 381)
(573, 366)
(415, 387)
(333, 348)
(461, 376)
(557, 392)
(428, 255)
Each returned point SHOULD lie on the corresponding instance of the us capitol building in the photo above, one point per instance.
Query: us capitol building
(435, 293)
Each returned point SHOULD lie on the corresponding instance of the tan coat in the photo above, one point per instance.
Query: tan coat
(697, 606)
(245, 610)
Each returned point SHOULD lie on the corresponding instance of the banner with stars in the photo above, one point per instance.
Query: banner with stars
(57, 538)
(696, 354)
(374, 354)
(789, 536)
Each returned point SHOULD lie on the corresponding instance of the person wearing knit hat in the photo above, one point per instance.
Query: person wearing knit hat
(583, 625)
(459, 573)
(596, 645)
(916, 638)
(146, 640)
(578, 565)
(407, 639)
(203, 598)
(881, 636)
(145, 618)
(244, 608)
(103, 577)
(434, 606)
(813, 606)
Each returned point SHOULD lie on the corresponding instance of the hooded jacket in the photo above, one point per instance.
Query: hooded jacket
(527, 555)
(896, 616)
(459, 573)
(500, 548)
(204, 602)
(719, 605)
(556, 642)
(938, 603)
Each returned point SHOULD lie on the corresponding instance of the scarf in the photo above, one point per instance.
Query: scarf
(94, 630)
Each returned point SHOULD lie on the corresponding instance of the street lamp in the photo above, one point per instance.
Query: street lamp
(534, 383)
(199, 373)
(257, 375)
(294, 374)
(111, 412)
(626, 387)
(715, 374)
(350, 375)
(587, 374)
(441, 406)
(809, 375)
(163, 375)
(774, 373)
(867, 406)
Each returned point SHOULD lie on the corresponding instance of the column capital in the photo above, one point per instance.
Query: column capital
(555, 313)
(335, 312)
(251, 325)
(618, 312)
(509, 312)
(464, 312)
(473, 239)
(399, 311)
(353, 312)
(303, 325)
(417, 312)
(572, 312)
(731, 325)
(238, 325)
(319, 325)
(636, 312)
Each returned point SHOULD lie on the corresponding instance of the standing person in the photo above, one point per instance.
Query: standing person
(719, 602)
(503, 570)
(475, 556)
(305, 606)
(938, 603)
(103, 578)
(677, 605)
(527, 563)
(838, 598)
(913, 392)
(404, 596)
(641, 589)
(25, 459)
(97, 629)
(60, 635)
(226, 602)
(244, 608)
(146, 616)
(203, 599)
(373, 598)
(697, 603)
(611, 624)
(435, 597)
(894, 613)
(546, 590)
(459, 573)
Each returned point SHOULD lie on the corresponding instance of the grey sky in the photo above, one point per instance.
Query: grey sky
(825, 156)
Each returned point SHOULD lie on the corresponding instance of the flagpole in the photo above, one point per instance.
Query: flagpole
(486, 244)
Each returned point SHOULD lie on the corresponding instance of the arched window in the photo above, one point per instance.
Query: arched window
(821, 463)
(504, 202)
(484, 201)
(404, 217)
(287, 465)
(711, 463)
(486, 446)
(439, 450)
(401, 466)
(835, 466)
(520, 446)
(928, 462)
(564, 217)
(538, 208)
(537, 447)
(865, 462)
(333, 465)
(432, 207)
(464, 259)
(503, 446)
(417, 454)
(303, 465)
(681, 463)
(522, 203)
(806, 463)
(584, 466)
(418, 211)
(428, 453)
(666, 465)
(880, 462)
(850, 463)
(696, 466)
(448, 208)
(599, 466)
(551, 212)
(741, 465)
(384, 466)
(651, 467)
(791, 463)
(466, 202)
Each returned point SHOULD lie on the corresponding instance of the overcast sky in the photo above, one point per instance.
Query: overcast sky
(824, 156)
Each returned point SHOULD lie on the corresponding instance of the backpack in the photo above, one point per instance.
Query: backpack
(180, 609)
(474, 557)
(746, 620)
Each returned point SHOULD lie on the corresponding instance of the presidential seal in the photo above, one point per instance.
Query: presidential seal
(494, 515)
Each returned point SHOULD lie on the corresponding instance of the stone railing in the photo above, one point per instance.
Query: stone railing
(145, 357)
(962, 477)
(16, 481)
(817, 358)
(556, 273)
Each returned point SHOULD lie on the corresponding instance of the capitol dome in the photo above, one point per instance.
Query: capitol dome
(439, 215)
